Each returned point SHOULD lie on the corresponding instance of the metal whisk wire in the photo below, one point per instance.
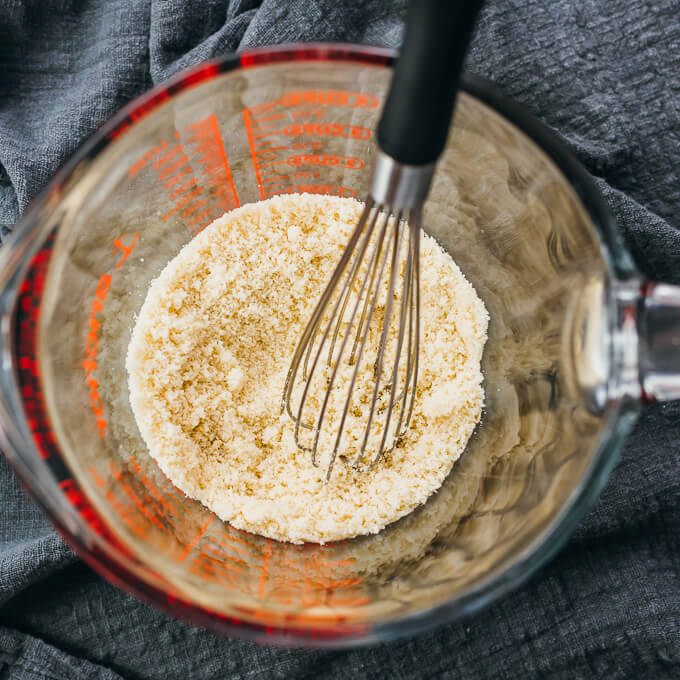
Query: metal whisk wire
(366, 286)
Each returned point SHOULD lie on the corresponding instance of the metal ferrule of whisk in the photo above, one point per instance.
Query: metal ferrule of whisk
(360, 347)
(403, 187)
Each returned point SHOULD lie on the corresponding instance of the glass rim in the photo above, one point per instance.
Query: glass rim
(112, 564)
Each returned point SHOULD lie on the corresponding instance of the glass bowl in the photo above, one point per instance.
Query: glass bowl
(576, 342)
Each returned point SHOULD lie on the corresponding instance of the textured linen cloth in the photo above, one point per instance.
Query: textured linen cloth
(603, 74)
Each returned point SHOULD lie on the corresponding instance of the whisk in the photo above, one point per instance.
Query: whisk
(364, 311)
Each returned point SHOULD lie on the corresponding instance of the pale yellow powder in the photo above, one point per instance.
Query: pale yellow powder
(208, 359)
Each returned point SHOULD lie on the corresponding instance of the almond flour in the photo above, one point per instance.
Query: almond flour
(209, 355)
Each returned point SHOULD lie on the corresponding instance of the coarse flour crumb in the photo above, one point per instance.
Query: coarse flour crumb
(208, 360)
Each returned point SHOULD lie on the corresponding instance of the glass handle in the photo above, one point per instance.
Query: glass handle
(659, 341)
(622, 342)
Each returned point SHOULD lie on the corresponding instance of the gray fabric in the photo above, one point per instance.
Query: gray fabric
(606, 75)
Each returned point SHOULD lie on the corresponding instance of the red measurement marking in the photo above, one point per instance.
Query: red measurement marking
(118, 243)
(123, 512)
(195, 170)
(277, 116)
(155, 493)
(146, 158)
(248, 122)
(326, 130)
(271, 159)
(178, 191)
(223, 155)
(91, 348)
(319, 130)
(192, 544)
(230, 537)
(209, 559)
(139, 503)
(265, 564)
(318, 581)
(174, 167)
(174, 150)
(270, 149)
(261, 108)
(329, 189)
(196, 191)
(308, 113)
(214, 571)
(234, 548)
(217, 552)
(344, 98)
(324, 159)
(92, 338)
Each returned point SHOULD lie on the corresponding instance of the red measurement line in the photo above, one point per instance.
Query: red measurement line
(220, 553)
(247, 121)
(268, 133)
(235, 548)
(265, 564)
(134, 497)
(158, 495)
(215, 578)
(203, 558)
(231, 537)
(274, 178)
(270, 148)
(264, 165)
(228, 203)
(218, 139)
(97, 477)
(266, 106)
(196, 126)
(195, 540)
(123, 512)
(267, 126)
(276, 116)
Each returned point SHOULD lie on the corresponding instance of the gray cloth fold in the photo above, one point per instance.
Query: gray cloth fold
(606, 76)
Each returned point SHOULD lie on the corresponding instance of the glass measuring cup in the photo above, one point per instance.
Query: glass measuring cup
(576, 341)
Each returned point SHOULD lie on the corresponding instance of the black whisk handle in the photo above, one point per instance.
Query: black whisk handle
(417, 115)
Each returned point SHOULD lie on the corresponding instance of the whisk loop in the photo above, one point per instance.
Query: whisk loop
(339, 345)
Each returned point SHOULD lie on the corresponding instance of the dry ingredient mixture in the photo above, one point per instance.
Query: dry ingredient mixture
(209, 355)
